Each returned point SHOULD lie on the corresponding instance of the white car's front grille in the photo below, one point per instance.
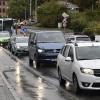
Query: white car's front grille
(97, 72)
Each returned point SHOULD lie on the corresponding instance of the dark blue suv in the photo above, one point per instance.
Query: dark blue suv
(44, 46)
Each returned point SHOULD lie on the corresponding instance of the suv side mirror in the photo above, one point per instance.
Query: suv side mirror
(33, 42)
(68, 59)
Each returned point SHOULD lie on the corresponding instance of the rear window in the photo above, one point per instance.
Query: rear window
(82, 38)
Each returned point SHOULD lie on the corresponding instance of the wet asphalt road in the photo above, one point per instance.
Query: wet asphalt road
(32, 84)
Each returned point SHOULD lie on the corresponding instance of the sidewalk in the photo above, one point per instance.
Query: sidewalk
(5, 90)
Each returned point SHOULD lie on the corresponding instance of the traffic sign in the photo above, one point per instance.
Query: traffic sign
(65, 14)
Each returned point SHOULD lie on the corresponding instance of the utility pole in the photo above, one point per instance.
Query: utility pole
(30, 8)
(36, 10)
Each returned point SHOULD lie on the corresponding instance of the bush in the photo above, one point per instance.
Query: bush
(49, 14)
(78, 22)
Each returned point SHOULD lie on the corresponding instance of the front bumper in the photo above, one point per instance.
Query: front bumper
(3, 43)
(47, 57)
(90, 82)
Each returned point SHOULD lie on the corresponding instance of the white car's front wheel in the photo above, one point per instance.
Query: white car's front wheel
(61, 80)
(76, 87)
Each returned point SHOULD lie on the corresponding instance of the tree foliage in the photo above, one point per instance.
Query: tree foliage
(49, 13)
(18, 8)
(84, 4)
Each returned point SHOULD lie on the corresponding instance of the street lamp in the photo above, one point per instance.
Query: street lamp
(30, 7)
(36, 10)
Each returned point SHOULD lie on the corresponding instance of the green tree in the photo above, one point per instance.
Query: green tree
(49, 13)
(18, 8)
(84, 4)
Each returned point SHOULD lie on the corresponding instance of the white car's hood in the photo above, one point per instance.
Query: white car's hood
(92, 64)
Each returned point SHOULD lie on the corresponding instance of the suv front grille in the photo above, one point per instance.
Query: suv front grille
(97, 72)
(52, 51)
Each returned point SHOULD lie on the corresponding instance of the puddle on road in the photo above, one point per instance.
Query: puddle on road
(29, 86)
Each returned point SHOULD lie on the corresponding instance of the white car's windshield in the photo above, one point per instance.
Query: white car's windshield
(88, 52)
(22, 40)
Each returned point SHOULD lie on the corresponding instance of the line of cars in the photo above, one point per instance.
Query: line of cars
(78, 60)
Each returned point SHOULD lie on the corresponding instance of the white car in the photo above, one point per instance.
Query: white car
(76, 38)
(80, 64)
(19, 45)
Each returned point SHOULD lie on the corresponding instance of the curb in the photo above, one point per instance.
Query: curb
(9, 87)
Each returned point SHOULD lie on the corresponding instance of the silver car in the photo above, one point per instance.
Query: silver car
(19, 45)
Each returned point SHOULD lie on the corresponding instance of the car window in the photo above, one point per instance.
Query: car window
(61, 51)
(22, 40)
(82, 38)
(65, 53)
(70, 53)
(32, 36)
(88, 52)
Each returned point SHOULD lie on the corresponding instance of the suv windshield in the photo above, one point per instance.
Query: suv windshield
(82, 38)
(50, 37)
(88, 52)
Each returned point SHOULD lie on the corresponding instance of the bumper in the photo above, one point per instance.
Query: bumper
(3, 43)
(22, 51)
(47, 58)
(90, 82)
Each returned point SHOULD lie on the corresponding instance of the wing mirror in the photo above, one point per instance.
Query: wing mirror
(33, 42)
(68, 59)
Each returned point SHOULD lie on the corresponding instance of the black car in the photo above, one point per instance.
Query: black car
(44, 46)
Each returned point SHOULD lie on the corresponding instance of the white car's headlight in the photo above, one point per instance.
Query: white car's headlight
(18, 47)
(87, 71)
(40, 50)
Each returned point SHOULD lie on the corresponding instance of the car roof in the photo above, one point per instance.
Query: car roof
(45, 31)
(83, 44)
(4, 32)
(74, 36)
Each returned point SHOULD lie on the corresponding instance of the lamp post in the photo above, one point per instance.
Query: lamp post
(36, 10)
(30, 7)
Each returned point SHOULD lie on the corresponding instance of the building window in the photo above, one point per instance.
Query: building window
(4, 3)
(3, 10)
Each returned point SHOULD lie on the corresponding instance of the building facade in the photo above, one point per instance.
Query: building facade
(3, 8)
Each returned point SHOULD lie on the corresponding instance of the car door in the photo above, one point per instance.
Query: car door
(32, 45)
(69, 64)
(64, 53)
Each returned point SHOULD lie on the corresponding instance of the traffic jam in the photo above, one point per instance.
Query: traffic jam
(48, 64)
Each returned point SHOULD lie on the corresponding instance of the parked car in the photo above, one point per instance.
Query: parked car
(4, 38)
(80, 64)
(97, 38)
(44, 46)
(19, 45)
(76, 38)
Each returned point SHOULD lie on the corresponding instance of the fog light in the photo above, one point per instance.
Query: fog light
(85, 84)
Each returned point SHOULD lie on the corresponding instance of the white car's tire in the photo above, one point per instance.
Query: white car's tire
(62, 82)
(76, 87)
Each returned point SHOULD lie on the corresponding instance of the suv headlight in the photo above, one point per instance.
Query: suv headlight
(17, 46)
(40, 50)
(87, 71)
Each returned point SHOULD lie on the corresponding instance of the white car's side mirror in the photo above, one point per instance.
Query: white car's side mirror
(68, 59)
